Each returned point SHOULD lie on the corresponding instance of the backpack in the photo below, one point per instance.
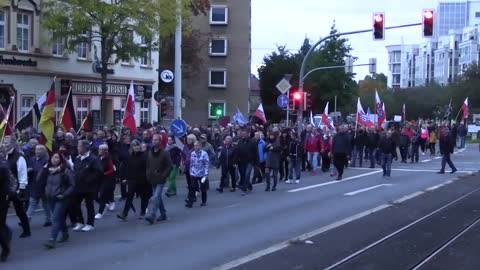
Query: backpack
(415, 138)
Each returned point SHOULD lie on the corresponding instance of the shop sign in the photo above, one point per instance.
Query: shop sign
(17, 62)
(87, 88)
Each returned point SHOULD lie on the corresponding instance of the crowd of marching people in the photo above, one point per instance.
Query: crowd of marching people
(86, 168)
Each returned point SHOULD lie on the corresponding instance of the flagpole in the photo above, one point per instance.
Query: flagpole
(458, 114)
(356, 124)
(7, 116)
(59, 121)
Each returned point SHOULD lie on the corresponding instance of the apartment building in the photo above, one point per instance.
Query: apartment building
(29, 61)
(443, 58)
(223, 82)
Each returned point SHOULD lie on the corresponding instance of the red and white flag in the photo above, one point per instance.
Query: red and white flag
(465, 108)
(404, 113)
(129, 116)
(362, 118)
(382, 116)
(260, 114)
(325, 119)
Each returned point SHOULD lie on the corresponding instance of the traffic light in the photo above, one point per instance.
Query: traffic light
(307, 101)
(379, 26)
(428, 16)
(163, 108)
(217, 110)
(295, 99)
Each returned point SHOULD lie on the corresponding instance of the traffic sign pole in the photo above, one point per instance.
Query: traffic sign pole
(288, 108)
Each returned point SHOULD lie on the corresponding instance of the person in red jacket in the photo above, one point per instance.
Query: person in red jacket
(313, 146)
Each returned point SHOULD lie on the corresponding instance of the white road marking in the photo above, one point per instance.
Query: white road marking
(366, 189)
(426, 160)
(408, 197)
(333, 182)
(437, 157)
(434, 187)
(418, 170)
(302, 237)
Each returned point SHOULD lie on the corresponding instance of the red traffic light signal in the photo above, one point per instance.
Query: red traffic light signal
(427, 22)
(297, 96)
(378, 26)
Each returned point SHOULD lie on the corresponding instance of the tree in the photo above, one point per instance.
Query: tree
(274, 68)
(111, 24)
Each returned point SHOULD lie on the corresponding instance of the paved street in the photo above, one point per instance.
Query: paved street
(257, 228)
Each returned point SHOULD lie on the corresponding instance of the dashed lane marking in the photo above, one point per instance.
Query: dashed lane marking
(333, 182)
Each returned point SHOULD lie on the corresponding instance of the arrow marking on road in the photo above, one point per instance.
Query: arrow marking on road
(366, 189)
(333, 182)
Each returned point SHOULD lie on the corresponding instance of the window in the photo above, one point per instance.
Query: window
(127, 36)
(23, 32)
(2, 29)
(83, 107)
(477, 14)
(145, 112)
(218, 15)
(216, 109)
(59, 103)
(218, 47)
(145, 58)
(82, 48)
(217, 78)
(58, 47)
(27, 104)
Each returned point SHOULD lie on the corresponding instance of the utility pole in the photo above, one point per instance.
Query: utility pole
(177, 102)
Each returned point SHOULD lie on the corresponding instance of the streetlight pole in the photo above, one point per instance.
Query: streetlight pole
(302, 67)
(177, 100)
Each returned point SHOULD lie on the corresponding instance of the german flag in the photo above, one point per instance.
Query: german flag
(68, 120)
(47, 120)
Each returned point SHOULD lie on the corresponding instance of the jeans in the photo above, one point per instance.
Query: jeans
(313, 160)
(258, 173)
(244, 170)
(446, 159)
(59, 210)
(32, 206)
(284, 168)
(156, 202)
(77, 208)
(357, 153)
(415, 152)
(294, 165)
(226, 172)
(386, 163)
(462, 141)
(371, 156)
(269, 173)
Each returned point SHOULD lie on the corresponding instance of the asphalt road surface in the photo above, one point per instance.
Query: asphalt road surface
(256, 231)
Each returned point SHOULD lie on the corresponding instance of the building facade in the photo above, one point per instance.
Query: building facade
(223, 82)
(29, 61)
(401, 65)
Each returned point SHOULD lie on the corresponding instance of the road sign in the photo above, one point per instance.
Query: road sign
(167, 76)
(178, 128)
(283, 86)
(282, 101)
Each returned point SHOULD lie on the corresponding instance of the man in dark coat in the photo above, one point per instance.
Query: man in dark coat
(159, 165)
(447, 143)
(340, 149)
(87, 170)
(5, 232)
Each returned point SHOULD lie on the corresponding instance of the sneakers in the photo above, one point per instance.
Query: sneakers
(98, 216)
(297, 181)
(50, 244)
(289, 182)
(64, 238)
(78, 227)
(88, 228)
(111, 207)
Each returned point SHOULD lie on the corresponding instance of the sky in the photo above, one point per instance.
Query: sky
(287, 22)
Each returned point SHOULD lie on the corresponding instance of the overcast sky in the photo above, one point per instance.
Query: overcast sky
(287, 22)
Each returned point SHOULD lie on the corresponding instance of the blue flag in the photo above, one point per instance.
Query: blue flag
(239, 118)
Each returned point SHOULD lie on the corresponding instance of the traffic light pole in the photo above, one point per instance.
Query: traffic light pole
(304, 62)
